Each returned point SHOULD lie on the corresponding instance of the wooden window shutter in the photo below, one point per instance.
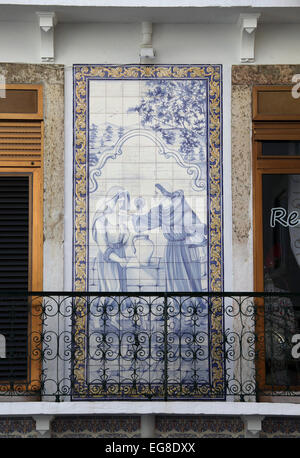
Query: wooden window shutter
(21, 233)
(21, 143)
(14, 273)
(21, 125)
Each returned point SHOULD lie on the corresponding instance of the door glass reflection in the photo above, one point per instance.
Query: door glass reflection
(281, 242)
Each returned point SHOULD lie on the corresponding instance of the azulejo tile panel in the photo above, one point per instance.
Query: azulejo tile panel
(273, 427)
(147, 218)
(17, 427)
(199, 427)
(96, 426)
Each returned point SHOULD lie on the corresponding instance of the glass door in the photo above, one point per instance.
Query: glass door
(281, 274)
(276, 232)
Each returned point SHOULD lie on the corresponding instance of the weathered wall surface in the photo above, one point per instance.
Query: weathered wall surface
(52, 78)
(244, 77)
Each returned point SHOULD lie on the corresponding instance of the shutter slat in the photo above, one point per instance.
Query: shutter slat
(14, 258)
(16, 146)
(16, 140)
(10, 134)
(21, 140)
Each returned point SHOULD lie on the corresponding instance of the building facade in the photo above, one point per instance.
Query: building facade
(149, 170)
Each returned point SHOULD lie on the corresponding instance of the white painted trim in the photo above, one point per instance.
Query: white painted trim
(47, 21)
(253, 424)
(147, 426)
(43, 423)
(68, 197)
(146, 49)
(65, 322)
(2, 346)
(248, 26)
(227, 195)
(159, 3)
(149, 407)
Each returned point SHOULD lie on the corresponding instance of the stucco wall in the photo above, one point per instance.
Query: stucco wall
(114, 43)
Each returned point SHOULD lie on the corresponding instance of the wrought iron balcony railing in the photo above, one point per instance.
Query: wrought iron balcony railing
(154, 346)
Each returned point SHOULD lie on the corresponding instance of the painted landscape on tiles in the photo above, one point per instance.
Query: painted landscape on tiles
(147, 189)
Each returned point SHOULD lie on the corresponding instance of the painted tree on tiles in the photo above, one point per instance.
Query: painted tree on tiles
(93, 138)
(177, 110)
(102, 138)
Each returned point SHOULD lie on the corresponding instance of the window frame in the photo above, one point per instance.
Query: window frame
(38, 115)
(35, 276)
(25, 165)
(267, 165)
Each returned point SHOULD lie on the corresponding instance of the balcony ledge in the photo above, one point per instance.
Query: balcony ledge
(149, 408)
(252, 413)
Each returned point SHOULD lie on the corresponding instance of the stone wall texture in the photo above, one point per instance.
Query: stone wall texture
(52, 79)
(244, 77)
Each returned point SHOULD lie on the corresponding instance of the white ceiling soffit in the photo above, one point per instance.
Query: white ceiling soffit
(155, 11)
(159, 3)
